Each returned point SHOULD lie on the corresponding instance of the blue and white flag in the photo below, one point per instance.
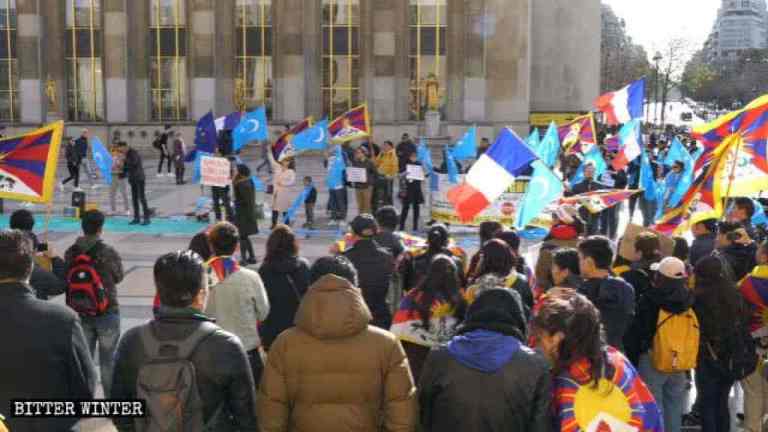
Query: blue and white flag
(313, 138)
(466, 147)
(451, 167)
(102, 158)
(291, 212)
(549, 146)
(196, 174)
(252, 127)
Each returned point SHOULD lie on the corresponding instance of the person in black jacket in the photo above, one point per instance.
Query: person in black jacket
(72, 157)
(413, 267)
(486, 379)
(588, 185)
(309, 202)
(669, 292)
(738, 249)
(613, 297)
(374, 266)
(134, 170)
(45, 282)
(161, 144)
(609, 218)
(705, 236)
(387, 218)
(411, 194)
(223, 373)
(286, 278)
(44, 352)
(245, 212)
(404, 149)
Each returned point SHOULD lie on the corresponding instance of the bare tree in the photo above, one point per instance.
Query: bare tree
(675, 54)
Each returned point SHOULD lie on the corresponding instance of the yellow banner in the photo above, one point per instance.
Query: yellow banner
(543, 119)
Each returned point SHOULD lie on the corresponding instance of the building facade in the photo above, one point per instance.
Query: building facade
(130, 66)
(741, 25)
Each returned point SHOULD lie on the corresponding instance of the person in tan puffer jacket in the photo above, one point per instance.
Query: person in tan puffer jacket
(333, 371)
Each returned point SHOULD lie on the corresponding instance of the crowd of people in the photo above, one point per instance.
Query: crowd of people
(383, 336)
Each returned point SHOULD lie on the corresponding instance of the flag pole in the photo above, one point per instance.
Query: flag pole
(732, 175)
(48, 211)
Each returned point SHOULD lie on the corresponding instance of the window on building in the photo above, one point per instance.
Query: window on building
(85, 92)
(9, 100)
(427, 20)
(341, 56)
(168, 70)
(253, 62)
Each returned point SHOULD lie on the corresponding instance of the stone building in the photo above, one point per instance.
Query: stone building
(127, 67)
(740, 25)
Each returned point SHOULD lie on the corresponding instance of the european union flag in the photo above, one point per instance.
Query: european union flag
(205, 137)
(466, 147)
(314, 138)
(335, 176)
(102, 159)
(252, 127)
(543, 188)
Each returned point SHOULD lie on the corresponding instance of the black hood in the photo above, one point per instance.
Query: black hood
(283, 265)
(671, 295)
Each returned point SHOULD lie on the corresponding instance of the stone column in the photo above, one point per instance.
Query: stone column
(385, 30)
(565, 63)
(31, 104)
(509, 63)
(115, 58)
(202, 26)
(479, 26)
(138, 39)
(53, 51)
(455, 56)
(296, 89)
(224, 54)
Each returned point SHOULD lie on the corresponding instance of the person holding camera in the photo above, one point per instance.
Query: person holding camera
(736, 247)
(48, 270)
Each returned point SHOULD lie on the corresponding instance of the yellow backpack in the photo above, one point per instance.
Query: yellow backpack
(676, 343)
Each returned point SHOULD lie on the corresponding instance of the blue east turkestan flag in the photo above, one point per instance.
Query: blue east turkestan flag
(196, 174)
(466, 147)
(291, 212)
(543, 188)
(102, 159)
(594, 156)
(677, 152)
(549, 146)
(686, 177)
(313, 138)
(453, 169)
(252, 127)
(533, 140)
(425, 157)
(647, 178)
(335, 177)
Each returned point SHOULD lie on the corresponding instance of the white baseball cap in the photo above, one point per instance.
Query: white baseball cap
(670, 267)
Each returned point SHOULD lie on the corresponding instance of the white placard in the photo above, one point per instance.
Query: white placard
(357, 175)
(414, 172)
(215, 171)
(607, 179)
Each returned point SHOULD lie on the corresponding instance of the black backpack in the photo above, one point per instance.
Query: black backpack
(168, 383)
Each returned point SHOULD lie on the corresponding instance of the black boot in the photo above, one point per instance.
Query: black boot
(146, 221)
(134, 222)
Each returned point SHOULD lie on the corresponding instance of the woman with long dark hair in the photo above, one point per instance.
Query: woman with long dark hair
(428, 315)
(595, 386)
(718, 308)
(414, 265)
(245, 212)
(286, 278)
(497, 270)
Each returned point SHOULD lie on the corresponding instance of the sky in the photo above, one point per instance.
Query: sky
(652, 22)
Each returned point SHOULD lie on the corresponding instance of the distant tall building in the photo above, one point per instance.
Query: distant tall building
(741, 25)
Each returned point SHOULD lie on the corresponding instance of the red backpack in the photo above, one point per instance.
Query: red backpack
(86, 294)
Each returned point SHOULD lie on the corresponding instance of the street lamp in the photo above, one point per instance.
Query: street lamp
(656, 59)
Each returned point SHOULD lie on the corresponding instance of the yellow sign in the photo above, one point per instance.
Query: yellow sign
(543, 119)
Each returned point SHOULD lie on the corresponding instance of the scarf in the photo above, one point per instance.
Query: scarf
(221, 267)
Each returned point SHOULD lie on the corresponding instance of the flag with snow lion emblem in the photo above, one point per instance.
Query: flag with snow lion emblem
(28, 164)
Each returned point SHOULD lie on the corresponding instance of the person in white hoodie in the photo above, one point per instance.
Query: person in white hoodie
(238, 300)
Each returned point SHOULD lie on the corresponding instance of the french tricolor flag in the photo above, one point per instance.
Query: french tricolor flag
(492, 174)
(630, 145)
(623, 105)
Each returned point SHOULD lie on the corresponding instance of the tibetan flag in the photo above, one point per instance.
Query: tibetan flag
(353, 124)
(754, 288)
(611, 143)
(103, 159)
(623, 105)
(314, 138)
(491, 175)
(283, 140)
(749, 126)
(28, 164)
(408, 326)
(544, 188)
(630, 147)
(578, 136)
(466, 147)
(598, 201)
(252, 127)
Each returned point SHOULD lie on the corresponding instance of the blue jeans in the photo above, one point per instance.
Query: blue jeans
(105, 330)
(668, 389)
(714, 389)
